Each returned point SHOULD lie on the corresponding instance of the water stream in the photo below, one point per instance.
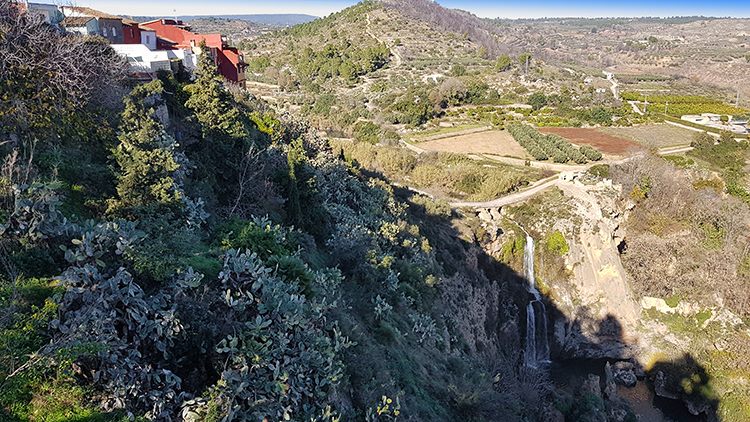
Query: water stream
(537, 343)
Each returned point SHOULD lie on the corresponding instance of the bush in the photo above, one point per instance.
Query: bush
(367, 132)
(599, 170)
(555, 242)
(259, 236)
(591, 153)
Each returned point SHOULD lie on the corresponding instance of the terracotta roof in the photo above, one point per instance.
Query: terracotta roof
(76, 21)
(87, 11)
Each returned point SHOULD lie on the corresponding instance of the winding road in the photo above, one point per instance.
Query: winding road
(515, 197)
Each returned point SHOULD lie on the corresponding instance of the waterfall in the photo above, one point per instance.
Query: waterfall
(537, 344)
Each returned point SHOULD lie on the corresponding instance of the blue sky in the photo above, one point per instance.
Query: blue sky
(484, 8)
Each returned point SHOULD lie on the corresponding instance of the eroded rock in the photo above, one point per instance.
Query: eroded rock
(660, 387)
(610, 388)
(624, 374)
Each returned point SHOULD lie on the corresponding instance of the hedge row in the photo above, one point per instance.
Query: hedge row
(544, 147)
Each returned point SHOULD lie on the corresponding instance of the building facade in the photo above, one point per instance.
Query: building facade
(109, 26)
(174, 34)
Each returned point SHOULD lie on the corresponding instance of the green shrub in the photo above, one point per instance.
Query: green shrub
(259, 236)
(673, 301)
(555, 242)
(513, 249)
(599, 170)
(367, 132)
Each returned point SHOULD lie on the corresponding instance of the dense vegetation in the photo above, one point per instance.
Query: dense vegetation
(342, 60)
(449, 174)
(679, 105)
(544, 147)
(179, 251)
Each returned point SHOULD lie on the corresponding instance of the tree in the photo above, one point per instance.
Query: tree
(503, 63)
(702, 140)
(212, 103)
(47, 80)
(146, 154)
(537, 100)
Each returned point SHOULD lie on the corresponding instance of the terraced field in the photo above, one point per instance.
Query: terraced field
(655, 135)
(604, 142)
(496, 142)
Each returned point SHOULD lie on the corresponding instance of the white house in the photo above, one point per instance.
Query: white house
(84, 25)
(49, 12)
(148, 38)
(142, 60)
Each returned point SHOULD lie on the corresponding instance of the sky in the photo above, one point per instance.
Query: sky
(483, 8)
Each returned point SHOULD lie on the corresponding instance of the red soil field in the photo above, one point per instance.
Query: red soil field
(605, 143)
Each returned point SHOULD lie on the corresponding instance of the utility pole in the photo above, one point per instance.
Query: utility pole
(645, 104)
(666, 107)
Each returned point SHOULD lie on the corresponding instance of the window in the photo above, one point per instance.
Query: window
(114, 32)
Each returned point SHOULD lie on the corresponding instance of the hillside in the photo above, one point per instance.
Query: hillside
(176, 250)
(409, 214)
(426, 54)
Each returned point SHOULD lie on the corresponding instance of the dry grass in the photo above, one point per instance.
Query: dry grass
(497, 142)
(655, 135)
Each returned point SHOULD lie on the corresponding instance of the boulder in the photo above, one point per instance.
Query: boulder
(624, 374)
(617, 415)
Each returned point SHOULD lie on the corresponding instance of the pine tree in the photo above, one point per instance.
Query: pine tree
(147, 155)
(213, 106)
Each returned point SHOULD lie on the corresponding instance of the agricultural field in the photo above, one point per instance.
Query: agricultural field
(604, 142)
(447, 132)
(553, 147)
(497, 142)
(654, 135)
(679, 105)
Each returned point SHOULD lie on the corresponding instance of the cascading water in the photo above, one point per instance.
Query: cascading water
(537, 344)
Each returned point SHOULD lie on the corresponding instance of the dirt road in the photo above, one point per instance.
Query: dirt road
(515, 197)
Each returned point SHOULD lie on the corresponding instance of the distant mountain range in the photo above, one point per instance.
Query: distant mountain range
(261, 19)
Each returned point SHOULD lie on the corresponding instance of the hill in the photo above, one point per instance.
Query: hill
(277, 20)
(273, 20)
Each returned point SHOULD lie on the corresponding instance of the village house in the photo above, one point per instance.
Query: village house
(144, 62)
(108, 26)
(134, 33)
(49, 12)
(174, 34)
(159, 44)
(84, 25)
